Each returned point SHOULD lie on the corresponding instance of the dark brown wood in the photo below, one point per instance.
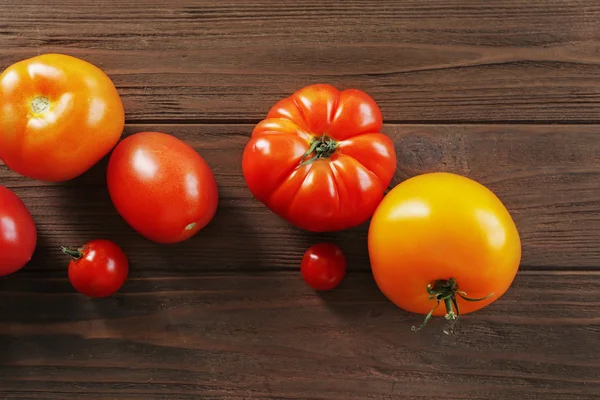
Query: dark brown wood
(436, 61)
(548, 176)
(268, 336)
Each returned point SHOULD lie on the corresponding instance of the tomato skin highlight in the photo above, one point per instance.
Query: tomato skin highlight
(59, 116)
(439, 226)
(18, 234)
(100, 270)
(342, 188)
(162, 187)
(323, 266)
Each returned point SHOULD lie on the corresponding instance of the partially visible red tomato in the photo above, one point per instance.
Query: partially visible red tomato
(319, 159)
(18, 235)
(323, 266)
(98, 269)
(161, 187)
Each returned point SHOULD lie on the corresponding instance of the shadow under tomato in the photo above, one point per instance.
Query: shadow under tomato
(363, 312)
(72, 213)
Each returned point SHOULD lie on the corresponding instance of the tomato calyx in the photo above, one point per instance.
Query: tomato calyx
(75, 254)
(323, 147)
(446, 290)
(40, 104)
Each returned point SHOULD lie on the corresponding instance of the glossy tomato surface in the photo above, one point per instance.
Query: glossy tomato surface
(58, 117)
(439, 226)
(319, 159)
(323, 266)
(98, 269)
(161, 187)
(18, 234)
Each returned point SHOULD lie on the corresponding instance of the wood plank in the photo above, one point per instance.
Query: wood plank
(548, 176)
(435, 61)
(268, 336)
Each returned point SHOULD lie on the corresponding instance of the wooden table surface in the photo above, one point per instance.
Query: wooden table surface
(506, 92)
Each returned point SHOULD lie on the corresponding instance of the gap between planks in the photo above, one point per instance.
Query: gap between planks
(239, 122)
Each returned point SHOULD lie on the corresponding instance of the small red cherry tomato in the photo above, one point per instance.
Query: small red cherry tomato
(323, 266)
(98, 269)
(18, 235)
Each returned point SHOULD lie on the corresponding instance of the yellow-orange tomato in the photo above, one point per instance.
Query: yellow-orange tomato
(58, 117)
(439, 226)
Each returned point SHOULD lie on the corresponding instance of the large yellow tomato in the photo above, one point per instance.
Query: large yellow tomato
(441, 238)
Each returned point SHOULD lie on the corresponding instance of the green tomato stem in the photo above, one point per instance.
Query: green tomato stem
(446, 291)
(74, 254)
(322, 146)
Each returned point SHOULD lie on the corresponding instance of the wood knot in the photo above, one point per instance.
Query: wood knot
(417, 153)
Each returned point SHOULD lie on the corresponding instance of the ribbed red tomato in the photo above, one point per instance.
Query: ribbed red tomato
(319, 159)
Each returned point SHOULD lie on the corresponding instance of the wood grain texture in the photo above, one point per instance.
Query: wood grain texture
(423, 61)
(268, 336)
(548, 176)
